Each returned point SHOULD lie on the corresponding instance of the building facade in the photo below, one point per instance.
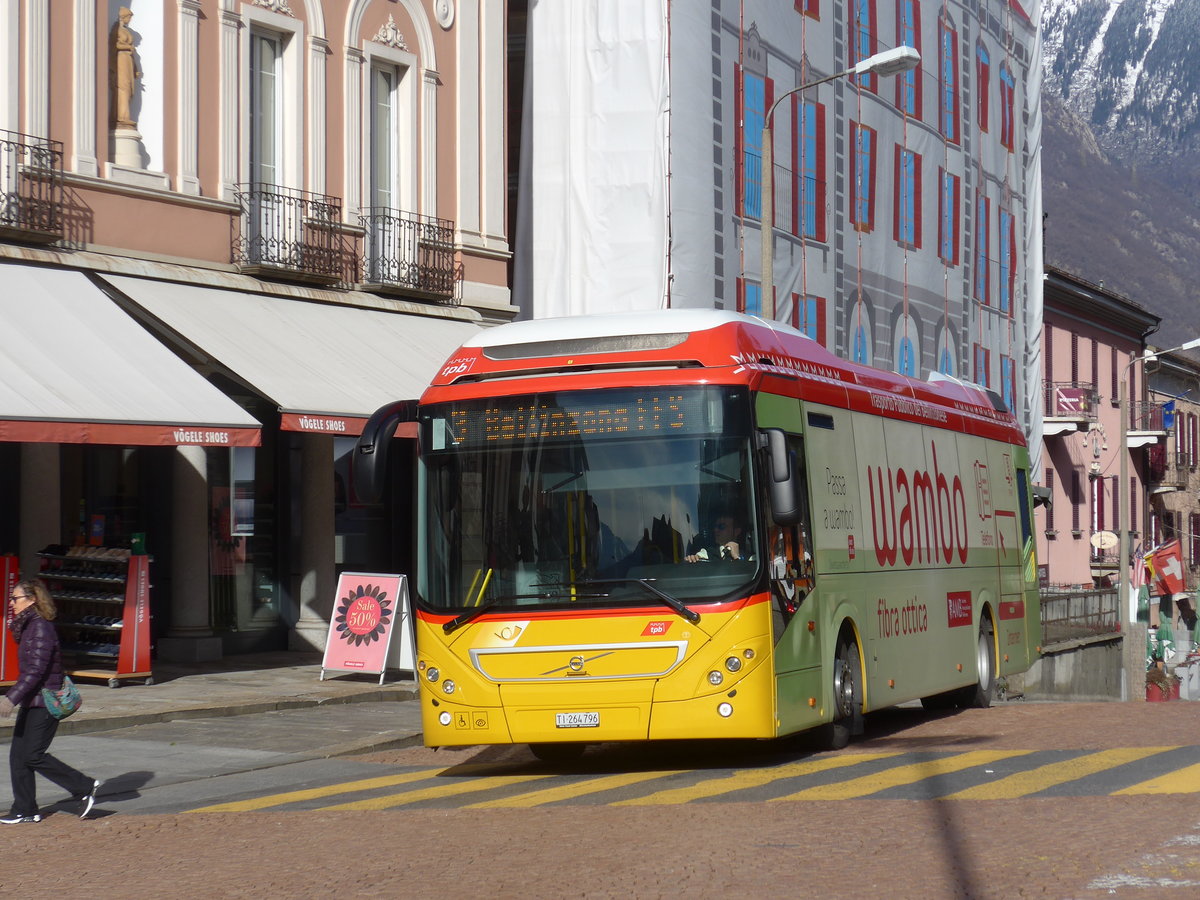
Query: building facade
(906, 210)
(230, 230)
(1173, 465)
(1092, 340)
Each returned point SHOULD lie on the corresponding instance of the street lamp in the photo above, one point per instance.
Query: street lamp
(889, 62)
(1123, 508)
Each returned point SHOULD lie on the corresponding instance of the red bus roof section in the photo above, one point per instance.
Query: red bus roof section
(706, 346)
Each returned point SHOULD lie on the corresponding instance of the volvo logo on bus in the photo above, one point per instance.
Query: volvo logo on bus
(576, 664)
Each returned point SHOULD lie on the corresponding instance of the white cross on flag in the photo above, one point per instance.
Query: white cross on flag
(1167, 561)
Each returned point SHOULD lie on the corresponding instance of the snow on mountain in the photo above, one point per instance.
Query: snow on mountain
(1128, 68)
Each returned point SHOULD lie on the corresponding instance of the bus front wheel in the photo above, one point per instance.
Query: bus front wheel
(847, 695)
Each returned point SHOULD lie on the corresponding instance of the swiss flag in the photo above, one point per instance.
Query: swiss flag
(1168, 568)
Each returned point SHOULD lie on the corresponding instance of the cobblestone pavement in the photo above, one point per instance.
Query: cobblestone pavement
(1077, 848)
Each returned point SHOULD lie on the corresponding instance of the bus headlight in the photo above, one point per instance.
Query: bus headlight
(715, 678)
(725, 710)
(444, 717)
(448, 686)
(733, 664)
(432, 674)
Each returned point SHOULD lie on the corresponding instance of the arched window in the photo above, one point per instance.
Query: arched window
(861, 340)
(947, 354)
(906, 339)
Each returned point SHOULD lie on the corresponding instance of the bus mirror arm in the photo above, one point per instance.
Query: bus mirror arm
(785, 504)
(370, 464)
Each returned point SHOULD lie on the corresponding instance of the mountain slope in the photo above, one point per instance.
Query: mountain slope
(1121, 139)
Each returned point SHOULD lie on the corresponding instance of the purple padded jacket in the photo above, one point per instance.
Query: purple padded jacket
(39, 660)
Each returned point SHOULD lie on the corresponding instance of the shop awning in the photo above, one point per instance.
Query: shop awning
(77, 369)
(328, 367)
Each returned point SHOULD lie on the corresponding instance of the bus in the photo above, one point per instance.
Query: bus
(692, 524)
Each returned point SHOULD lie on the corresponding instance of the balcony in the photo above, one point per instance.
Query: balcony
(291, 235)
(1146, 425)
(31, 188)
(409, 254)
(1070, 406)
(1166, 472)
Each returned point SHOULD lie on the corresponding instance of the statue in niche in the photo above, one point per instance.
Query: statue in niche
(124, 71)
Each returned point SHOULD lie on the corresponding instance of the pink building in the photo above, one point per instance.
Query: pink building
(230, 231)
(1090, 341)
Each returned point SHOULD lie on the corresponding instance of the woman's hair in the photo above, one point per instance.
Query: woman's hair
(36, 590)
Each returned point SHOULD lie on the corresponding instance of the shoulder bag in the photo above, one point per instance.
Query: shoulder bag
(62, 703)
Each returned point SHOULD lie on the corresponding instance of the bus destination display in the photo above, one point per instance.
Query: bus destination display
(597, 415)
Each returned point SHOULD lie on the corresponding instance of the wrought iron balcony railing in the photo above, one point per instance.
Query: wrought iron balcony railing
(1169, 471)
(31, 188)
(290, 234)
(411, 254)
(1146, 415)
(1072, 400)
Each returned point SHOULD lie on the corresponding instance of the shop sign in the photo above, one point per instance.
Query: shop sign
(366, 610)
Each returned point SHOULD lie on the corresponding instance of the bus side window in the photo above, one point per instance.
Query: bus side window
(789, 549)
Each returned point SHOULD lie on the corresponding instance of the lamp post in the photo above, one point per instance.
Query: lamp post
(889, 62)
(1123, 523)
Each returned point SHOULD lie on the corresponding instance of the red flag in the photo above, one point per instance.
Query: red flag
(1168, 568)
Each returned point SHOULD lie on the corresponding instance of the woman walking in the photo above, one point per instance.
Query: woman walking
(39, 663)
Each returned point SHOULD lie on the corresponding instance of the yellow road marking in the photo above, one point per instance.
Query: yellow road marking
(1181, 781)
(367, 784)
(900, 775)
(456, 787)
(1021, 784)
(747, 778)
(578, 789)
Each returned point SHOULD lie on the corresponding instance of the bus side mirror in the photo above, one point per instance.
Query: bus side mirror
(371, 452)
(781, 477)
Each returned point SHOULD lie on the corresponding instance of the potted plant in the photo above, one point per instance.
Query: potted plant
(1161, 685)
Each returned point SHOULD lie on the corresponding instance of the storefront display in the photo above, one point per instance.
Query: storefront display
(103, 598)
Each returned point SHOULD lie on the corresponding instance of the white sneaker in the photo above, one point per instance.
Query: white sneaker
(89, 799)
(13, 819)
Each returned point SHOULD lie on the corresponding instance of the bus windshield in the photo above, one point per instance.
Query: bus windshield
(611, 497)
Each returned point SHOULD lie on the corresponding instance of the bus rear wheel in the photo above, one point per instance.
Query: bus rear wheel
(981, 694)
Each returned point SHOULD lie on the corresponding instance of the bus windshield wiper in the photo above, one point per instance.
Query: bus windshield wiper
(476, 611)
(647, 584)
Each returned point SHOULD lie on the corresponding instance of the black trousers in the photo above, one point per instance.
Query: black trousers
(34, 730)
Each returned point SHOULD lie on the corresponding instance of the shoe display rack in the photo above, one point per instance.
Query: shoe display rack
(103, 598)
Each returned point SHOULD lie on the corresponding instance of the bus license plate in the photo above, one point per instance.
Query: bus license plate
(577, 720)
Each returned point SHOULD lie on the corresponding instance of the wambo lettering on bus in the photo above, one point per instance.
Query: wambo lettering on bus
(932, 519)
